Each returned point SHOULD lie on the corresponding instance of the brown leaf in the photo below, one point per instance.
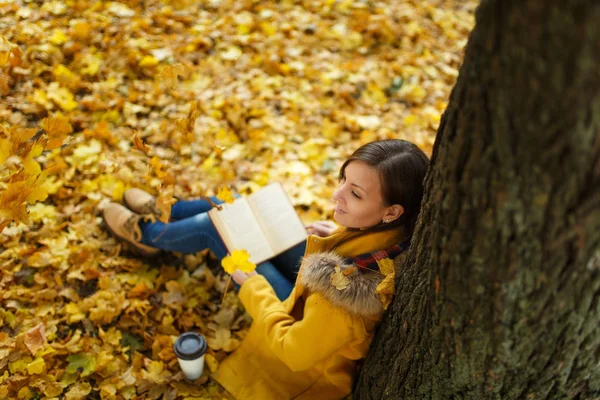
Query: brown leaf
(338, 279)
(139, 144)
(35, 338)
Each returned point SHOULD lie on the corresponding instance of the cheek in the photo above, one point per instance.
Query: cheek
(363, 214)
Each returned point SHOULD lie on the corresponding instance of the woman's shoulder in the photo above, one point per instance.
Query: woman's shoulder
(342, 284)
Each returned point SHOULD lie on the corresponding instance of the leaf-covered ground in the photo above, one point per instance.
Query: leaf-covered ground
(181, 98)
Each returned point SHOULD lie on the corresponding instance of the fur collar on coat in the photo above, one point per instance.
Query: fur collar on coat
(358, 298)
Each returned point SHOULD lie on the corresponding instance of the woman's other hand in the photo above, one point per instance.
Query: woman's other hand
(321, 228)
(240, 277)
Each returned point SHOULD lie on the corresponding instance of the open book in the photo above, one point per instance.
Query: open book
(264, 223)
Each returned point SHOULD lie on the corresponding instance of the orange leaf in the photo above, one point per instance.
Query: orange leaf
(139, 144)
(9, 52)
(57, 128)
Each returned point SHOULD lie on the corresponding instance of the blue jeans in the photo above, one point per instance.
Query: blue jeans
(191, 231)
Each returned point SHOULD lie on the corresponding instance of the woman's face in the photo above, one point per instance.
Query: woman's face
(359, 200)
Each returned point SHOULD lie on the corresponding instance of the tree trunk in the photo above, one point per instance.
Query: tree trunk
(500, 294)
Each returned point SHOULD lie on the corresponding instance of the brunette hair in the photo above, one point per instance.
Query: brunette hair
(402, 167)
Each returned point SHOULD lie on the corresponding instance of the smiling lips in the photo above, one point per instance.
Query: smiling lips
(338, 209)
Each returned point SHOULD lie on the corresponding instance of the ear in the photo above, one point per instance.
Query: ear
(393, 212)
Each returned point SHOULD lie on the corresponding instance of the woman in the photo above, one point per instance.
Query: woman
(309, 345)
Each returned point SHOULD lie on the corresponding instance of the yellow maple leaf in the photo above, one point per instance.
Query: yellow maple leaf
(170, 74)
(158, 167)
(57, 128)
(239, 259)
(224, 194)
(61, 96)
(156, 372)
(164, 202)
(223, 341)
(12, 201)
(338, 279)
(386, 288)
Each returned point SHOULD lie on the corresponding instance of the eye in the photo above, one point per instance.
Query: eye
(355, 195)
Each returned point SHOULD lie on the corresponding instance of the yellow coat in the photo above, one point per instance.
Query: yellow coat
(309, 345)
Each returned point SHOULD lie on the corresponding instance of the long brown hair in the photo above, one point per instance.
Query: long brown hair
(402, 167)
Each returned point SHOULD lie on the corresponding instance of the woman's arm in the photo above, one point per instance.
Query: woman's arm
(299, 344)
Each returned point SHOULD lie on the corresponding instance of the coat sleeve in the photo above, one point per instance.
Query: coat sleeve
(299, 344)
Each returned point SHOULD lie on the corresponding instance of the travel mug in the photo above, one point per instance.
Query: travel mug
(189, 349)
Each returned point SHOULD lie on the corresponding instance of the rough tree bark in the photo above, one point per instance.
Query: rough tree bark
(500, 294)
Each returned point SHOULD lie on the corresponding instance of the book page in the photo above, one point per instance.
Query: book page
(279, 220)
(239, 229)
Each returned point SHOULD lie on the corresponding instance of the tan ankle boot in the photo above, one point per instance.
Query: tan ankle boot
(141, 202)
(123, 224)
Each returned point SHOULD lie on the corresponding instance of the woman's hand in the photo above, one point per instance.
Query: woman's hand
(321, 228)
(240, 277)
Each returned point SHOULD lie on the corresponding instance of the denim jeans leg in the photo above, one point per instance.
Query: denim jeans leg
(279, 283)
(194, 234)
(288, 262)
(189, 235)
(188, 208)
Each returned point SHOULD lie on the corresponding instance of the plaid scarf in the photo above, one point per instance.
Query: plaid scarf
(369, 260)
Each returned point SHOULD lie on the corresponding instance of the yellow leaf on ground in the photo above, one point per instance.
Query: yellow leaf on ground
(78, 391)
(38, 193)
(57, 128)
(223, 341)
(158, 167)
(61, 96)
(37, 366)
(170, 74)
(164, 202)
(12, 201)
(148, 61)
(139, 144)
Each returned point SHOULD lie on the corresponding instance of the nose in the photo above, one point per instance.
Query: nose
(337, 195)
